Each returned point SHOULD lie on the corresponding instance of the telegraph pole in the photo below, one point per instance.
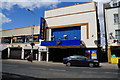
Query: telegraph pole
(32, 32)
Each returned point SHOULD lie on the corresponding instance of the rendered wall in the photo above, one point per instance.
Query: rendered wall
(110, 26)
(77, 14)
(20, 31)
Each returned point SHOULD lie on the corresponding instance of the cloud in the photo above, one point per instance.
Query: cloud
(28, 4)
(4, 19)
(31, 4)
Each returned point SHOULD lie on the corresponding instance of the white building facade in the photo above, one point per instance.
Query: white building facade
(16, 43)
(112, 18)
(71, 30)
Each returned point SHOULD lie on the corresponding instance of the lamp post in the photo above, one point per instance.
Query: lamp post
(32, 28)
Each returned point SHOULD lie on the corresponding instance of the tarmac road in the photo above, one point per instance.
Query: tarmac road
(51, 71)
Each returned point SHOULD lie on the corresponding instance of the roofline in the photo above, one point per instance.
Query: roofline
(71, 5)
(19, 28)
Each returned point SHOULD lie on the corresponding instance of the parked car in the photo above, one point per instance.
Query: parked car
(80, 61)
(119, 63)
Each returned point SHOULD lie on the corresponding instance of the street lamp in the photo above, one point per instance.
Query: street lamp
(32, 43)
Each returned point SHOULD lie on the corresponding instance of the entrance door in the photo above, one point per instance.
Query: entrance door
(35, 54)
(43, 54)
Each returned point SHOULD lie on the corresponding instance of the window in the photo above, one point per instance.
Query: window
(36, 38)
(116, 18)
(118, 3)
(6, 40)
(67, 33)
(18, 39)
(31, 38)
(117, 32)
(115, 5)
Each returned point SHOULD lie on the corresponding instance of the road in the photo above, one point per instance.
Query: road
(51, 71)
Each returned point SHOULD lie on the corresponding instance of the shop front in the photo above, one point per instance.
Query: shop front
(113, 54)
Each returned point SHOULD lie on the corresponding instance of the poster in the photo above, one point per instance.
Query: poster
(93, 54)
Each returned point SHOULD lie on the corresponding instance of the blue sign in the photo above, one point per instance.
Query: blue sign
(42, 29)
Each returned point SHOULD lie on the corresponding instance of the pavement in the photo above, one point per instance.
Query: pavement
(103, 65)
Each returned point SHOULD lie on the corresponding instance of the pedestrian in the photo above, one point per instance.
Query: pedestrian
(29, 58)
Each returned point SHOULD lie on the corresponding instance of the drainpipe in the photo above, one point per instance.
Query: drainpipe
(98, 32)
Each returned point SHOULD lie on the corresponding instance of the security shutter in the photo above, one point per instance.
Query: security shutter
(15, 53)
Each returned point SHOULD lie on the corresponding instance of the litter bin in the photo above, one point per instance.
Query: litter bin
(119, 63)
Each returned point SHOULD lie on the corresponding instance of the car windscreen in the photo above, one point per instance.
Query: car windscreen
(78, 57)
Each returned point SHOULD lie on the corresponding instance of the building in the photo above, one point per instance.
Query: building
(112, 20)
(16, 43)
(71, 30)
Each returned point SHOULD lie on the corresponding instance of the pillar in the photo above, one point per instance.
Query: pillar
(22, 55)
(39, 56)
(109, 54)
(47, 58)
(8, 52)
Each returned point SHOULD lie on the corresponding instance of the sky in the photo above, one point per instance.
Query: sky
(15, 14)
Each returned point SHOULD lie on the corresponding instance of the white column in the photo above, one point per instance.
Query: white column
(1, 54)
(47, 58)
(22, 55)
(8, 52)
(39, 56)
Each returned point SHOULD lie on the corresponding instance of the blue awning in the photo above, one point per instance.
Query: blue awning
(61, 43)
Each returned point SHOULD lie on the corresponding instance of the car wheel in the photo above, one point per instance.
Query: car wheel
(68, 64)
(91, 64)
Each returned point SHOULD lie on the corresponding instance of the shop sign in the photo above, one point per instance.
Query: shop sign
(42, 29)
(43, 49)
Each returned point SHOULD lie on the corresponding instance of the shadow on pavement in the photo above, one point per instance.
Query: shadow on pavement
(10, 76)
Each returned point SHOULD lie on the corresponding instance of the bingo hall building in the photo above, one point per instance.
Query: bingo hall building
(71, 30)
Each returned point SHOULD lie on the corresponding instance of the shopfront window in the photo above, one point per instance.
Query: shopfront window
(18, 39)
(6, 40)
(36, 38)
(31, 38)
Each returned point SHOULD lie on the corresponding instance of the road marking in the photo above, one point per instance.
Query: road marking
(10, 65)
(111, 72)
(79, 67)
(47, 69)
(94, 68)
(57, 70)
(89, 72)
(37, 68)
(102, 72)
